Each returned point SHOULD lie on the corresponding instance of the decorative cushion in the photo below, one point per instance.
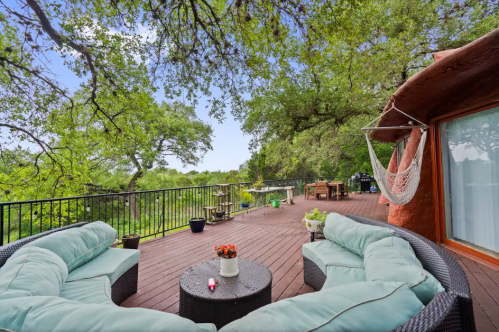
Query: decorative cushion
(94, 290)
(392, 259)
(112, 263)
(327, 253)
(361, 306)
(77, 246)
(353, 235)
(32, 271)
(55, 314)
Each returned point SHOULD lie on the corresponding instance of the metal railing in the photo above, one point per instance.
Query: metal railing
(148, 213)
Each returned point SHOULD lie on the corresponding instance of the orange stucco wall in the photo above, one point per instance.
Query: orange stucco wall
(417, 215)
(392, 168)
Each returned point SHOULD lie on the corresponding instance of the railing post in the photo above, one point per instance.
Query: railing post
(1, 225)
(163, 213)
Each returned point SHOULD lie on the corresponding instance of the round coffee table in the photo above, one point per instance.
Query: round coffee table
(232, 298)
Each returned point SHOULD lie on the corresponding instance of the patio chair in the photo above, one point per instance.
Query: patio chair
(321, 188)
(344, 191)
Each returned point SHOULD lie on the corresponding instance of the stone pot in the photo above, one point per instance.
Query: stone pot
(229, 267)
(316, 226)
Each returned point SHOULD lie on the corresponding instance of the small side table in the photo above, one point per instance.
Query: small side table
(232, 298)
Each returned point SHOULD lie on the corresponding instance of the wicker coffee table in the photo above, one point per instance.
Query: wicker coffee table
(232, 298)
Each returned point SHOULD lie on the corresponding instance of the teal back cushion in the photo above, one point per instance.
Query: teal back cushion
(32, 271)
(393, 259)
(361, 306)
(55, 314)
(353, 235)
(76, 246)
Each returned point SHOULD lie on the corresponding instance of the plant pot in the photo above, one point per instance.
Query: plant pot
(275, 203)
(219, 214)
(130, 241)
(197, 224)
(316, 226)
(229, 267)
(244, 205)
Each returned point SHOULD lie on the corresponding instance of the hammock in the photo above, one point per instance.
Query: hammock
(398, 188)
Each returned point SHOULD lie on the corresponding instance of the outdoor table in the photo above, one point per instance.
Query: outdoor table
(262, 195)
(233, 297)
(330, 186)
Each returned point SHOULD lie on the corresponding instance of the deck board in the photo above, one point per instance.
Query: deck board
(275, 239)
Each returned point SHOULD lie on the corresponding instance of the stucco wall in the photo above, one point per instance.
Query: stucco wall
(418, 215)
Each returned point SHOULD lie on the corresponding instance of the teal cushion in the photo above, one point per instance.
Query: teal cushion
(353, 235)
(76, 246)
(339, 275)
(392, 259)
(112, 263)
(32, 271)
(94, 290)
(55, 314)
(327, 253)
(361, 306)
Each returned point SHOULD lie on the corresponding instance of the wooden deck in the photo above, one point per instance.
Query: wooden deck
(275, 240)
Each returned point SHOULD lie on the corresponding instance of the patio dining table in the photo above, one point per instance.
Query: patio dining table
(330, 186)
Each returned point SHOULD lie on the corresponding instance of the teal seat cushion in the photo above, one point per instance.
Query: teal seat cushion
(55, 314)
(362, 306)
(340, 275)
(112, 263)
(77, 246)
(393, 259)
(94, 290)
(32, 271)
(327, 253)
(353, 235)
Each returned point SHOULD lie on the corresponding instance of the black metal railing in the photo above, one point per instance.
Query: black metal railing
(148, 213)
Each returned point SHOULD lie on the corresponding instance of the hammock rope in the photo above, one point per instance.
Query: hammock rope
(399, 188)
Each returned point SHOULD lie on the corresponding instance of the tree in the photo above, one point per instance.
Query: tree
(353, 57)
(118, 48)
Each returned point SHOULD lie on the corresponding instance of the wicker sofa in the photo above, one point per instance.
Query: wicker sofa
(70, 279)
(123, 287)
(451, 310)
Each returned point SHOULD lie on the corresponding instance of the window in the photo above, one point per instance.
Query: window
(470, 172)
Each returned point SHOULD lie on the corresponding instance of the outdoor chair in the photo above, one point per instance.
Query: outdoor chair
(321, 188)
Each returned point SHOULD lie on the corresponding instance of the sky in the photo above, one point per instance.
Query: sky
(230, 145)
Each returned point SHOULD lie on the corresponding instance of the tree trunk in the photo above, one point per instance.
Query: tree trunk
(131, 188)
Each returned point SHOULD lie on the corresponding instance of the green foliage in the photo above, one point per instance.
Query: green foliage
(315, 214)
(245, 197)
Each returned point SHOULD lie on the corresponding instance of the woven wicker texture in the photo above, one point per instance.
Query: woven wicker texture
(9, 249)
(313, 275)
(232, 298)
(126, 285)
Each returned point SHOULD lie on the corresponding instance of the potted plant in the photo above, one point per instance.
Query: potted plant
(246, 198)
(197, 224)
(274, 199)
(130, 241)
(229, 265)
(259, 185)
(314, 220)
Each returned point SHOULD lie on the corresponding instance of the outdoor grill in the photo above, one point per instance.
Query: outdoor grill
(365, 181)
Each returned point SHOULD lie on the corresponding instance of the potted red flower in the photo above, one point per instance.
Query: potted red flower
(229, 266)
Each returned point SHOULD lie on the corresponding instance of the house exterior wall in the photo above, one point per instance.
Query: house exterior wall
(418, 215)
